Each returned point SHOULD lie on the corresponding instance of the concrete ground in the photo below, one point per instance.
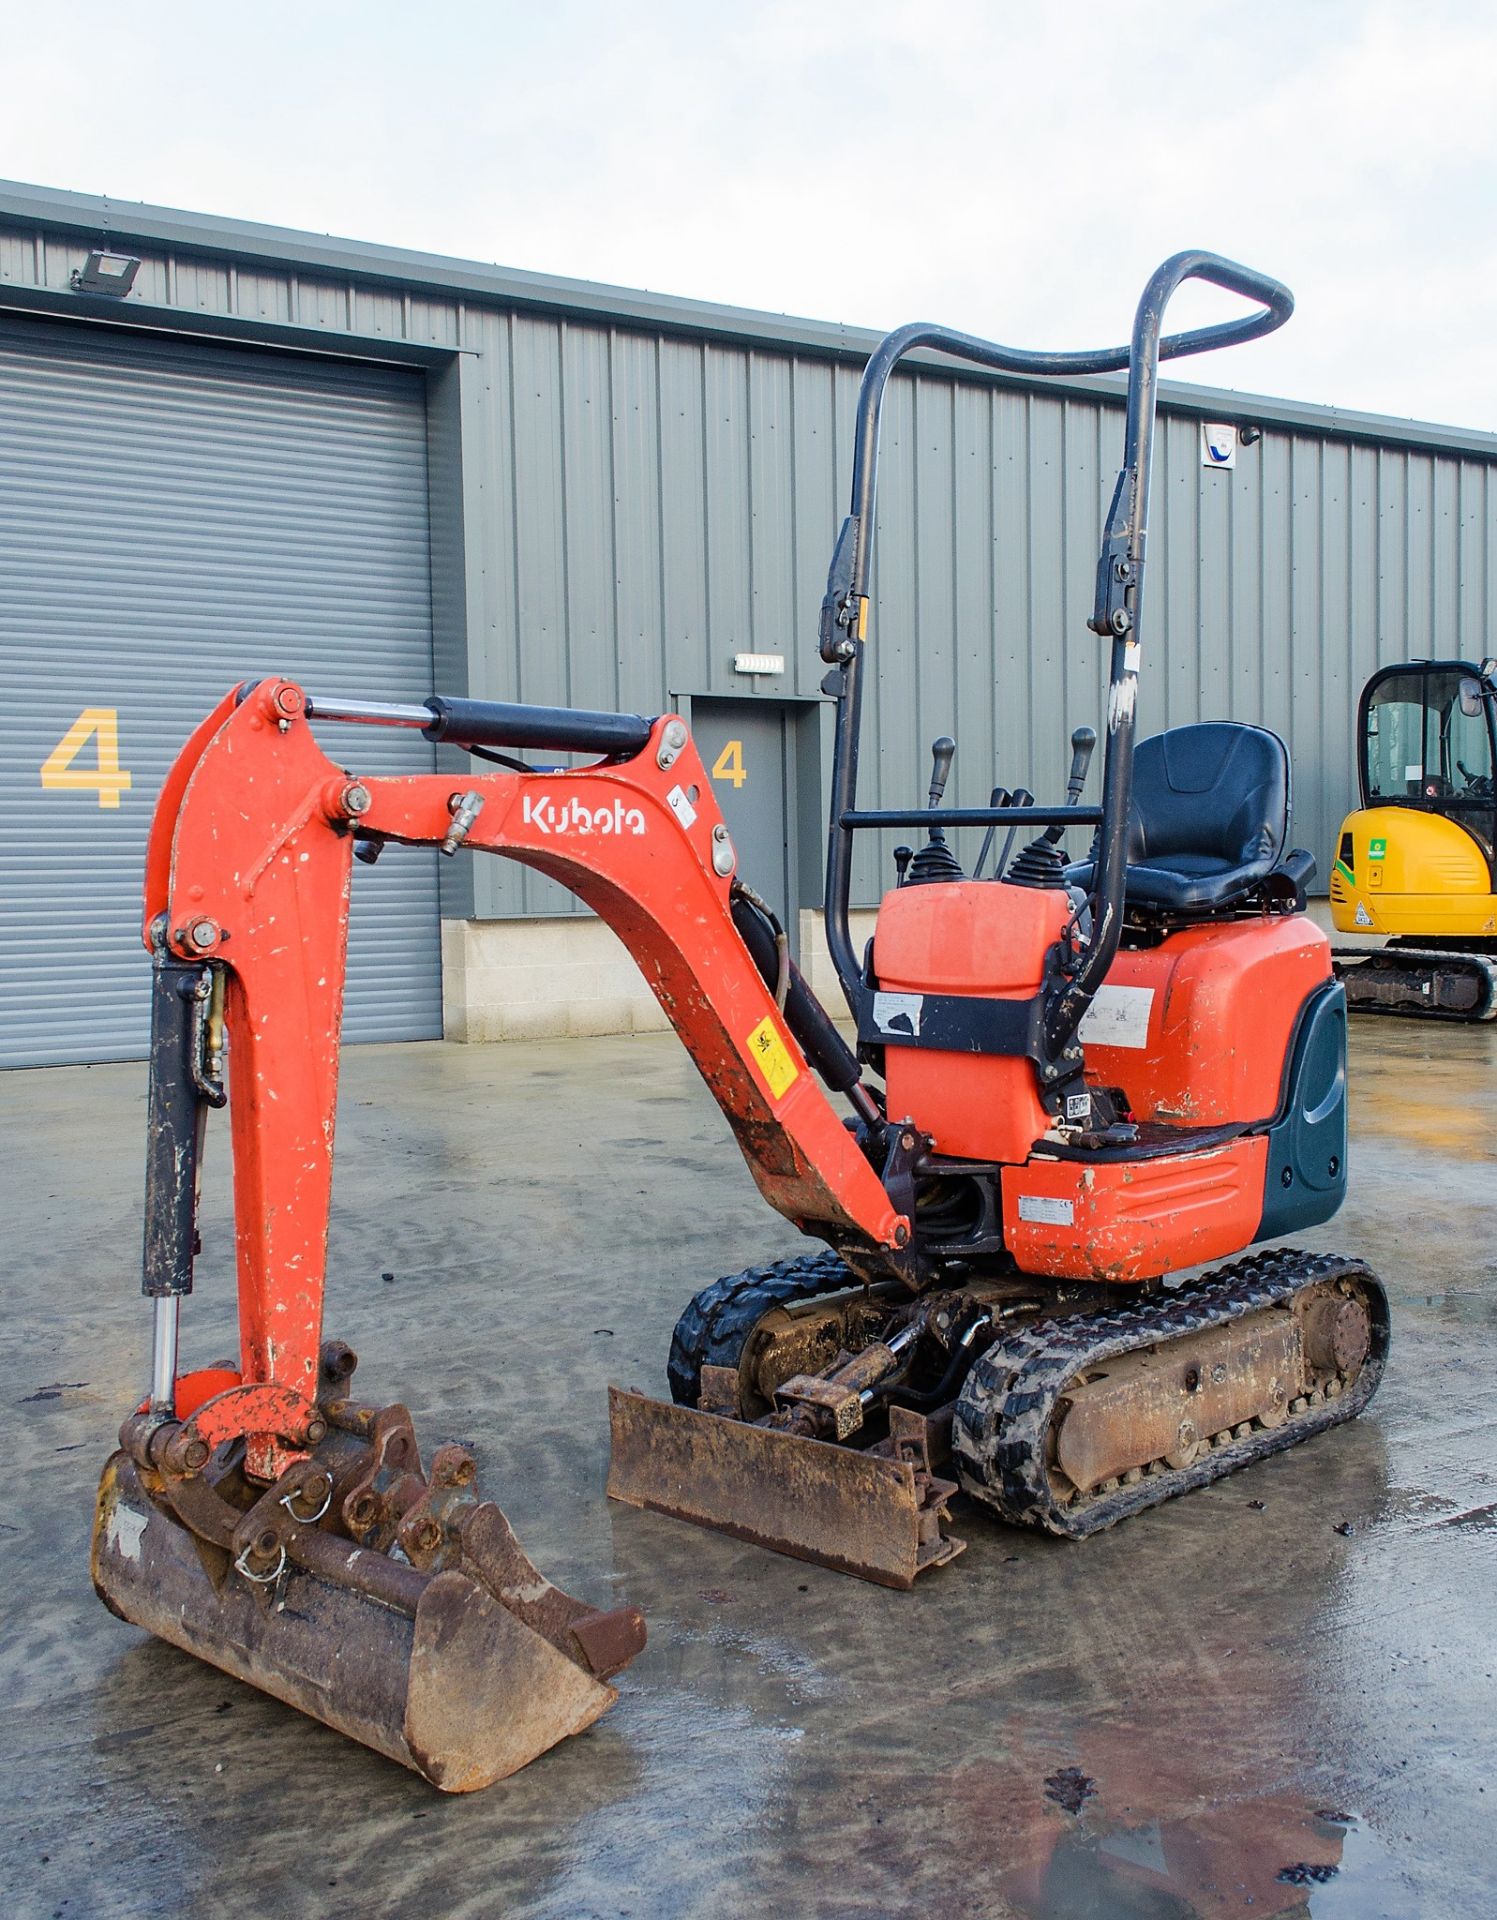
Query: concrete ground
(1278, 1693)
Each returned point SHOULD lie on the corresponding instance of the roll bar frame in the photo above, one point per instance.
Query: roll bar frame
(1116, 616)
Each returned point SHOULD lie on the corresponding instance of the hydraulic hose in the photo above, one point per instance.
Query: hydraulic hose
(946, 1388)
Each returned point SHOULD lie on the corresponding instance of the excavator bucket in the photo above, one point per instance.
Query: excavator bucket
(452, 1654)
(878, 1513)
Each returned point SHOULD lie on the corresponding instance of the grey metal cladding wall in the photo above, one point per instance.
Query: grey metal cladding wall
(644, 502)
(662, 503)
(658, 504)
(653, 505)
(173, 519)
(1278, 588)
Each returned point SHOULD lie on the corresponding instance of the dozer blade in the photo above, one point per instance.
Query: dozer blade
(865, 1513)
(434, 1670)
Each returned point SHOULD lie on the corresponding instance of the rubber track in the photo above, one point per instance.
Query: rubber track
(1001, 1428)
(712, 1330)
(1484, 969)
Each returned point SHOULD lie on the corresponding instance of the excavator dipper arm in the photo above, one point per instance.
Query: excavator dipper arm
(249, 869)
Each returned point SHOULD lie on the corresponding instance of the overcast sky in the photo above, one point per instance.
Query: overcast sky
(1015, 169)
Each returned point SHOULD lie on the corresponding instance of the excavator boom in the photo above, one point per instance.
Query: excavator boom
(250, 874)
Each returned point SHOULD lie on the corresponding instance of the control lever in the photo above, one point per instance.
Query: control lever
(902, 858)
(1041, 864)
(935, 860)
(1083, 740)
(941, 752)
(999, 797)
(1020, 797)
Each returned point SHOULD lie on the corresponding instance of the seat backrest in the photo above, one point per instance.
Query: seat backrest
(1219, 789)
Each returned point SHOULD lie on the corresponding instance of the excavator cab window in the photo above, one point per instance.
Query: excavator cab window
(1427, 739)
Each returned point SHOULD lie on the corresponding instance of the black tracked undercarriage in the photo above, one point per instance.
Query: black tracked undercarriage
(1063, 1412)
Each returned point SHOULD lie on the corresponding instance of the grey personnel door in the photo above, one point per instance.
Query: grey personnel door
(747, 747)
(175, 518)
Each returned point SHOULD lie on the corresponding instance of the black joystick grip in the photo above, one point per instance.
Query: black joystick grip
(941, 752)
(1083, 740)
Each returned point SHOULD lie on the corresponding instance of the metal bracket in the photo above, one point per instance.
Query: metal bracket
(430, 1531)
(721, 1392)
(1113, 618)
(837, 605)
(390, 1483)
(827, 1403)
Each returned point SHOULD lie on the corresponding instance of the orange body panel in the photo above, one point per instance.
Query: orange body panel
(976, 938)
(1134, 1220)
(1224, 1002)
(968, 936)
(1197, 1037)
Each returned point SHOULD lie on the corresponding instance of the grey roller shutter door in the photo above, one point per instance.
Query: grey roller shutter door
(173, 519)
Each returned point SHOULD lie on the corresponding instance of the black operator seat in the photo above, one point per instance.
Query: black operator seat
(1208, 822)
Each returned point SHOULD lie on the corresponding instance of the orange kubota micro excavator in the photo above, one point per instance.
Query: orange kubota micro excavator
(1086, 1077)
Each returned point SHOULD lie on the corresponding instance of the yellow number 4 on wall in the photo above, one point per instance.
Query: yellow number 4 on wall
(104, 778)
(729, 764)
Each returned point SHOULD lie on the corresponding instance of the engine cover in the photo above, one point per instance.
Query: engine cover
(1197, 1030)
(987, 940)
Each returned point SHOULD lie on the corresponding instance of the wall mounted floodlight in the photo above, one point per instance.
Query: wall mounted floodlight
(103, 272)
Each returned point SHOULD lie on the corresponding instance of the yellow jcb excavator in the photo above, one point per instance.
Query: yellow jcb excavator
(1415, 862)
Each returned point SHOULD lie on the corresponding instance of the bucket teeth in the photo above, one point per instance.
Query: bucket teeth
(459, 1659)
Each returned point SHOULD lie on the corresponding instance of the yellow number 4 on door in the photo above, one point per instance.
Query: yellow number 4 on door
(104, 778)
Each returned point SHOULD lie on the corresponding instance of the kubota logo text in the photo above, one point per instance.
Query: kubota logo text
(576, 816)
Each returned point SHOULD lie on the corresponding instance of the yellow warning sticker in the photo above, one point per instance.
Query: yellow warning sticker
(772, 1057)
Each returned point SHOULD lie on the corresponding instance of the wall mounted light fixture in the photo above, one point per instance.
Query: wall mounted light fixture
(103, 272)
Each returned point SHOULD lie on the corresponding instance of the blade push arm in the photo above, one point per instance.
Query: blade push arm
(249, 872)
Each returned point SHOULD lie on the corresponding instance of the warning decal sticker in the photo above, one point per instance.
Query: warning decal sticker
(1118, 1017)
(898, 1013)
(772, 1057)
